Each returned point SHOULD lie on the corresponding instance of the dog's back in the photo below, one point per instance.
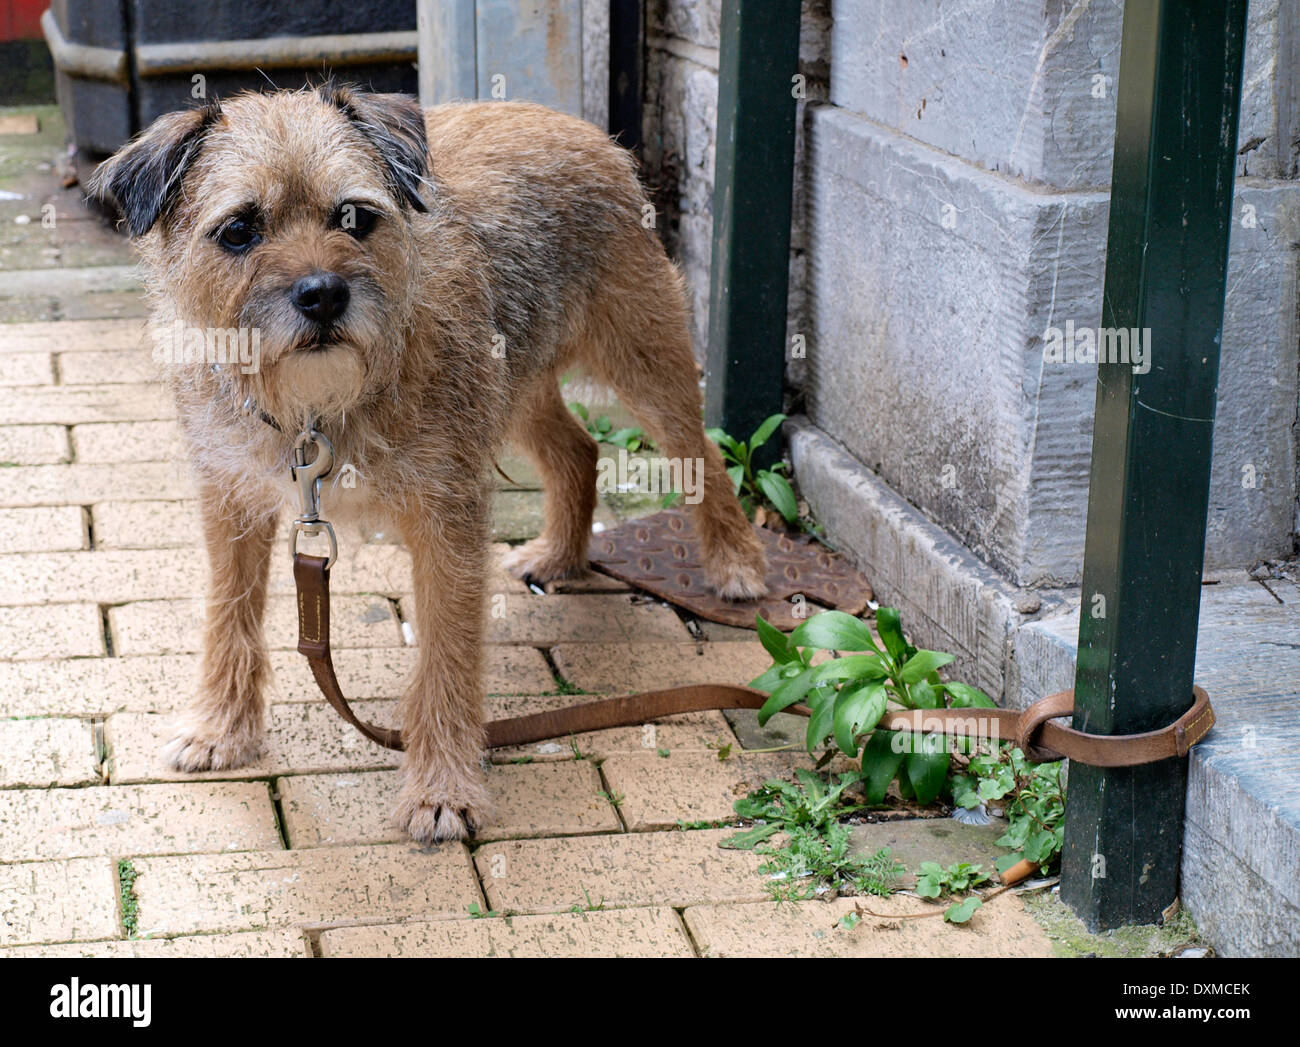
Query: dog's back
(552, 201)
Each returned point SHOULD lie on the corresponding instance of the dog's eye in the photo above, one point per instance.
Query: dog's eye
(238, 235)
(355, 220)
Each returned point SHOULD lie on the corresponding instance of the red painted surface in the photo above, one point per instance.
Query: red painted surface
(21, 19)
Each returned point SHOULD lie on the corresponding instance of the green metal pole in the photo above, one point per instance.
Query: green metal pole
(753, 183)
(1166, 264)
(626, 71)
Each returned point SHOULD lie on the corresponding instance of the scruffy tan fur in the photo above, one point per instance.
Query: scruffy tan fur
(509, 247)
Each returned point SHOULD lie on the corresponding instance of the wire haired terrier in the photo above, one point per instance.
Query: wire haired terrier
(419, 280)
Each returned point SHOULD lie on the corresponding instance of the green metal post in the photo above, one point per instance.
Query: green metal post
(1166, 264)
(626, 71)
(753, 183)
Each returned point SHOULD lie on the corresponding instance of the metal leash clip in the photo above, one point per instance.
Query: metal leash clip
(308, 475)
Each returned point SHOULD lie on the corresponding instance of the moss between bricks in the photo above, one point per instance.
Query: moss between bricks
(1070, 938)
(126, 876)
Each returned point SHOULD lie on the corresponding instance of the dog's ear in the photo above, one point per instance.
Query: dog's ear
(144, 176)
(394, 125)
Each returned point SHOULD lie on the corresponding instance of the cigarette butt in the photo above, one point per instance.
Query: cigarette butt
(1022, 870)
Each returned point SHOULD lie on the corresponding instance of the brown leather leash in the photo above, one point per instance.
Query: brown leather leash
(1033, 730)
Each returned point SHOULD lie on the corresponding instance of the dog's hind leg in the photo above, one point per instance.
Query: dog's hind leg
(223, 727)
(638, 318)
(566, 457)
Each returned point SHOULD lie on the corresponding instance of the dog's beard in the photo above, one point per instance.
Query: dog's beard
(313, 384)
(310, 371)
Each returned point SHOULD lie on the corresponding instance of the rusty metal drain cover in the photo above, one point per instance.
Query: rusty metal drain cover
(661, 555)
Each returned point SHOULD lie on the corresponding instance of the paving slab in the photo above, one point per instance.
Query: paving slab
(96, 686)
(26, 369)
(943, 840)
(624, 668)
(548, 799)
(72, 404)
(109, 366)
(65, 336)
(34, 445)
(631, 933)
(544, 621)
(106, 303)
(518, 515)
(41, 825)
(101, 576)
(287, 945)
(147, 524)
(176, 626)
(44, 529)
(165, 683)
(111, 442)
(72, 281)
(302, 738)
(80, 484)
(520, 469)
(637, 869)
(19, 124)
(70, 630)
(781, 729)
(657, 792)
(798, 929)
(212, 893)
(58, 901)
(41, 754)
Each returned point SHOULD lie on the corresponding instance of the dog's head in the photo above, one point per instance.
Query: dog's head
(286, 217)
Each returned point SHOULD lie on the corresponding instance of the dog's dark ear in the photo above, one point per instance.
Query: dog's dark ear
(144, 176)
(394, 125)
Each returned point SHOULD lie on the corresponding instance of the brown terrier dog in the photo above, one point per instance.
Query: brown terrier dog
(418, 281)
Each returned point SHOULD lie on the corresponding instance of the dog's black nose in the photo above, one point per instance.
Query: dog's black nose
(320, 296)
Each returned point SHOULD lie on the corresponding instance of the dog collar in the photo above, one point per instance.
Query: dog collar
(249, 406)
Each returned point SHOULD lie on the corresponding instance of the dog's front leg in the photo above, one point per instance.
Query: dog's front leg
(443, 795)
(223, 726)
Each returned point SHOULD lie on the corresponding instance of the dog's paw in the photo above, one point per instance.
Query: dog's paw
(736, 578)
(196, 748)
(538, 561)
(441, 816)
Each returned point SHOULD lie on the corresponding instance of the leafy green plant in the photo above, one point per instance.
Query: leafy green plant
(782, 806)
(723, 749)
(933, 880)
(631, 439)
(815, 855)
(880, 874)
(588, 905)
(126, 877)
(849, 695)
(757, 487)
(1031, 796)
(962, 911)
